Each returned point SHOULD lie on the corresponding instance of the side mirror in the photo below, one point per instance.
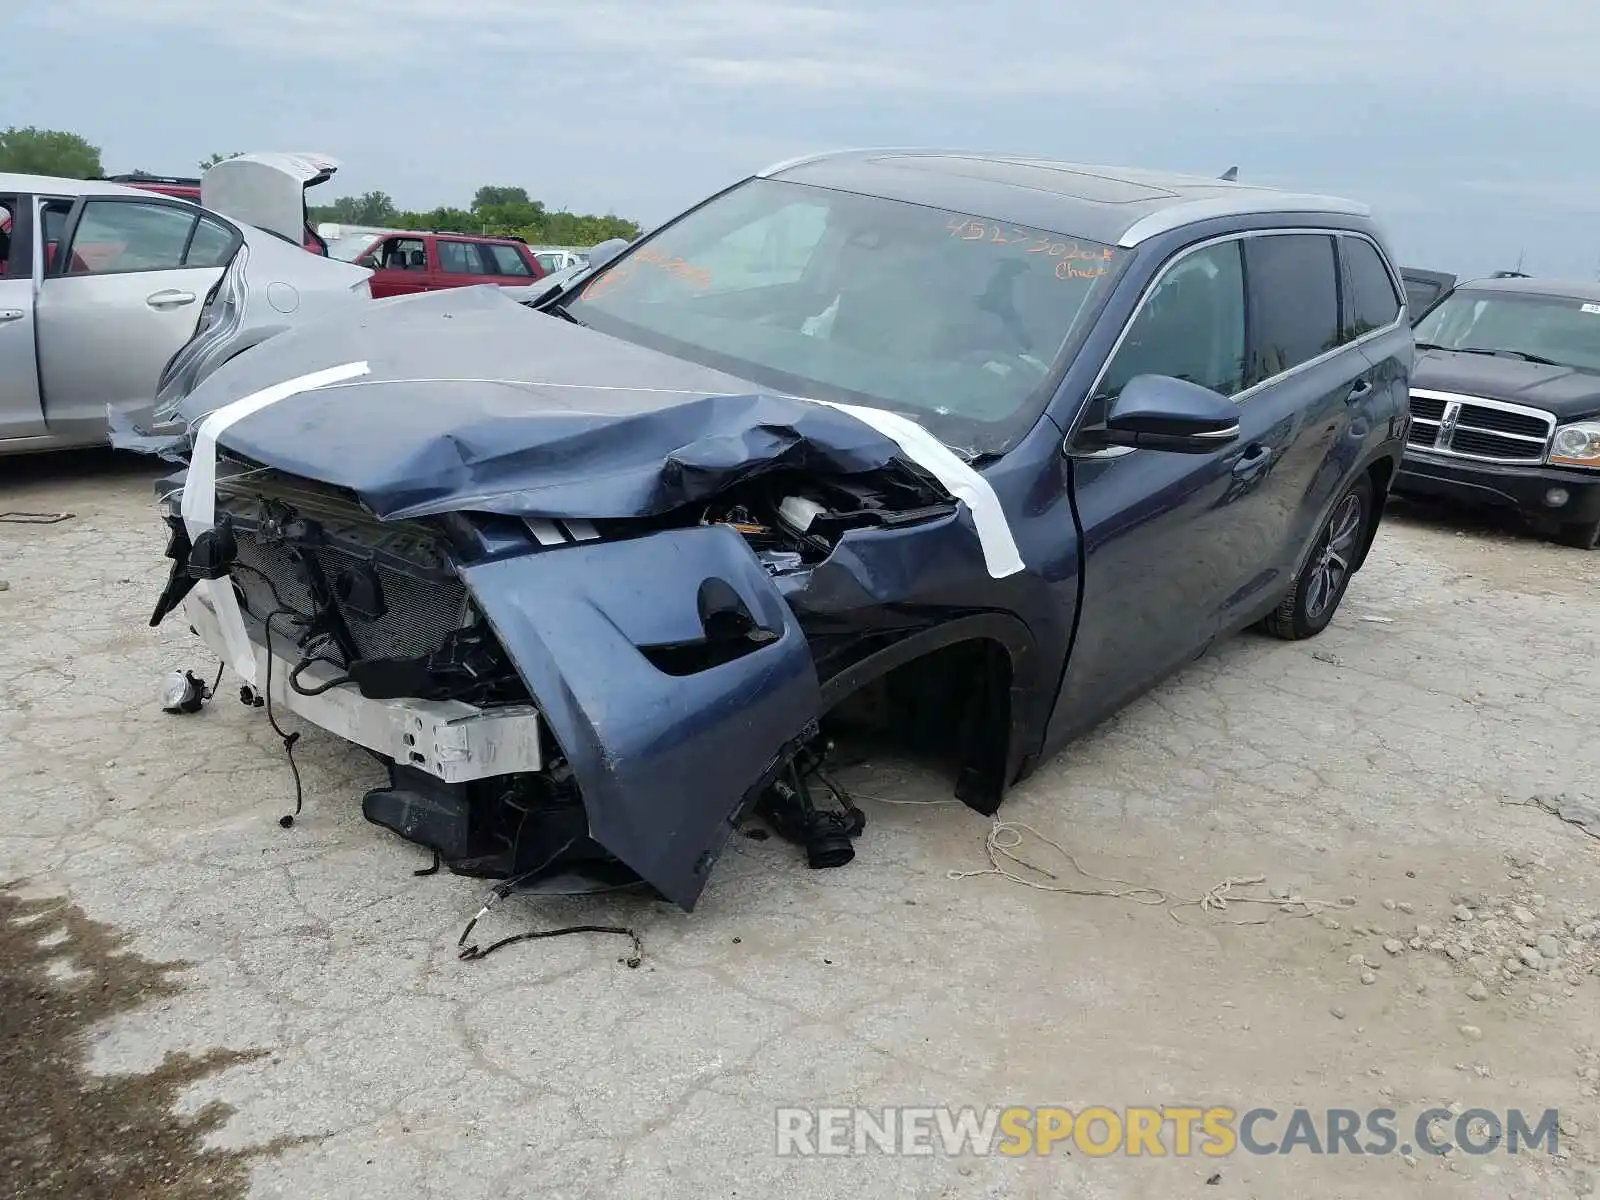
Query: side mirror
(1162, 413)
(600, 255)
(368, 260)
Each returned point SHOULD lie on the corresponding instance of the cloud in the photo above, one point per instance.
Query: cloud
(1469, 120)
(1144, 50)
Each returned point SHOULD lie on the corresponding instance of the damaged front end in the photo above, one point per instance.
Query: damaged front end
(608, 694)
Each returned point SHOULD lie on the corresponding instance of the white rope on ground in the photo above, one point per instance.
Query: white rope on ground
(907, 803)
(1004, 839)
(1006, 836)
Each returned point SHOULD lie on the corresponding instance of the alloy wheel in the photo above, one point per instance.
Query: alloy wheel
(1335, 551)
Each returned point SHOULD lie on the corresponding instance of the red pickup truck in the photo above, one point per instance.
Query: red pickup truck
(402, 263)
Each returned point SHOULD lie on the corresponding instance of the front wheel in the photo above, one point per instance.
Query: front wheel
(1314, 598)
(1585, 535)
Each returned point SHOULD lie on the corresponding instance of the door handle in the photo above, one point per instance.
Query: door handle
(11, 314)
(169, 299)
(1255, 457)
(1361, 390)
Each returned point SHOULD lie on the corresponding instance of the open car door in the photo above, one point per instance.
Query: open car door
(1424, 288)
(21, 266)
(268, 191)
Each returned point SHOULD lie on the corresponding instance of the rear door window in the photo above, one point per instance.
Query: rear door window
(1294, 301)
(1371, 301)
(114, 236)
(507, 260)
(460, 258)
(53, 216)
(212, 245)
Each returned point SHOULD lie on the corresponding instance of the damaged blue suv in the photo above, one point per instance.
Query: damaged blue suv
(979, 446)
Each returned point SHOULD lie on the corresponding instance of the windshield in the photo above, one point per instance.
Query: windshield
(958, 322)
(1543, 328)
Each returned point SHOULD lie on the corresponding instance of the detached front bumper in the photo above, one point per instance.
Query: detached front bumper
(666, 680)
(447, 739)
(1528, 489)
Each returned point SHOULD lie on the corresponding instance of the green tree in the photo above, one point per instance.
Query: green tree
(212, 160)
(496, 197)
(508, 218)
(495, 211)
(444, 219)
(33, 151)
(375, 208)
(372, 208)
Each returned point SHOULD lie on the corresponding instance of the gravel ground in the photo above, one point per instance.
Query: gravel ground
(294, 996)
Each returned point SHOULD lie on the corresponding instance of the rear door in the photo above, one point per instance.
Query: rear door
(1183, 547)
(514, 266)
(121, 296)
(460, 263)
(1306, 385)
(21, 411)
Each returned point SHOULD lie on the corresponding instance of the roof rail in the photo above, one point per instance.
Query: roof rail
(465, 233)
(136, 177)
(1250, 202)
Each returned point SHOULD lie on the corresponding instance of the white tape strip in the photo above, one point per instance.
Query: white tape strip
(200, 499)
(1000, 553)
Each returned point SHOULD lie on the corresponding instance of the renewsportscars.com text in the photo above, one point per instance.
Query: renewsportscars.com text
(1179, 1131)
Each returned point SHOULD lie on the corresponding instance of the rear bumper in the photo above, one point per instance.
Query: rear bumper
(452, 741)
(1524, 488)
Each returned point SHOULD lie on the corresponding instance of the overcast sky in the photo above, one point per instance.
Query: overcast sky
(1469, 125)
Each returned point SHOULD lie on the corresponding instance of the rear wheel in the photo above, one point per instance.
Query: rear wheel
(1585, 535)
(1314, 598)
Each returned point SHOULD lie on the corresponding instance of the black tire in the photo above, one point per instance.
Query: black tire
(1585, 535)
(1320, 586)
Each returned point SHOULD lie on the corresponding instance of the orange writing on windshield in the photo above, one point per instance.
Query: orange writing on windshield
(1027, 241)
(1072, 270)
(609, 282)
(695, 277)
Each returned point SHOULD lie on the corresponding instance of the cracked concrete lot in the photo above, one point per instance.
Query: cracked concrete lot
(349, 1052)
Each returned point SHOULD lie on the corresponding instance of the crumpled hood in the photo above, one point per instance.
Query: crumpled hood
(474, 402)
(1567, 393)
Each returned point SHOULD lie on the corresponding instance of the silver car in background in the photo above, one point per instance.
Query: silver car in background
(558, 258)
(102, 285)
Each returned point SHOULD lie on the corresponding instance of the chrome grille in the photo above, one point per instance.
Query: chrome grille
(1495, 431)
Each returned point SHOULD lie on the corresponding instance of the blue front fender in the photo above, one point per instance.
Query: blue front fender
(665, 762)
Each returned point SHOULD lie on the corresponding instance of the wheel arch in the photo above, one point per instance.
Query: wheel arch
(1004, 721)
(1381, 473)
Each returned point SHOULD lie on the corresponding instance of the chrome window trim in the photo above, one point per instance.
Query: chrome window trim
(1447, 425)
(1271, 380)
(1261, 203)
